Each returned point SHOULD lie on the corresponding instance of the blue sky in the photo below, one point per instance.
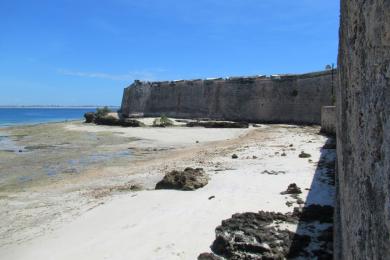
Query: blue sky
(80, 52)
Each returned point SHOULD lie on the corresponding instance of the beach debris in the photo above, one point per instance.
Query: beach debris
(273, 172)
(283, 154)
(234, 156)
(304, 155)
(292, 189)
(254, 157)
(189, 179)
(289, 203)
(211, 197)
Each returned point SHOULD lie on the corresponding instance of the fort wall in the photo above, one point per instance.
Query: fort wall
(277, 99)
(328, 120)
(363, 131)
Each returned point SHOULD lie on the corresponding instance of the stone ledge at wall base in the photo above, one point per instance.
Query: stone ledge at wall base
(328, 120)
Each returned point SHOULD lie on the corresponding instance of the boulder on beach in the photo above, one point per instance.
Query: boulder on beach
(292, 189)
(189, 179)
(252, 236)
(114, 121)
(107, 120)
(128, 122)
(89, 117)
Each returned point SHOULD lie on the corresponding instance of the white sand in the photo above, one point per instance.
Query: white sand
(166, 224)
(170, 136)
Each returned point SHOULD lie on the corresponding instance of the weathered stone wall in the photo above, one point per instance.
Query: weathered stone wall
(328, 120)
(282, 99)
(363, 131)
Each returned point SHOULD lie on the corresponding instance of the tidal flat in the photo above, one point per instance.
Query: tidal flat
(42, 154)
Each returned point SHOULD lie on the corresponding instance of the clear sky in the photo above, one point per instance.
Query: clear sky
(81, 52)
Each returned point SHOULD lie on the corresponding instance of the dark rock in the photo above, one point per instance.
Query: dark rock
(189, 179)
(272, 172)
(314, 212)
(208, 256)
(211, 197)
(283, 154)
(127, 122)
(214, 124)
(234, 156)
(292, 189)
(250, 236)
(107, 120)
(304, 155)
(113, 121)
(89, 117)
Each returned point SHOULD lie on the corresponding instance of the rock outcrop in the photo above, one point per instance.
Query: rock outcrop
(292, 189)
(262, 235)
(363, 131)
(91, 117)
(189, 179)
(216, 124)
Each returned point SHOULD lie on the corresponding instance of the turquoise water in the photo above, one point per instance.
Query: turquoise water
(22, 116)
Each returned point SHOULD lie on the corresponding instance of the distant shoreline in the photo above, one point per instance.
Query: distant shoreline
(16, 116)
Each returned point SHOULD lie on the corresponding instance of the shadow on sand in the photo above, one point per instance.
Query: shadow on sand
(315, 219)
(305, 233)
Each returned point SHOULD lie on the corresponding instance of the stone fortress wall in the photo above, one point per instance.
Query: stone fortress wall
(363, 131)
(277, 99)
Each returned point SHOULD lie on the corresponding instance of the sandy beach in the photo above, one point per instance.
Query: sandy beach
(104, 206)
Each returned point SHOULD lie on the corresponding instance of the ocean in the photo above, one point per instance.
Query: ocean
(28, 116)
